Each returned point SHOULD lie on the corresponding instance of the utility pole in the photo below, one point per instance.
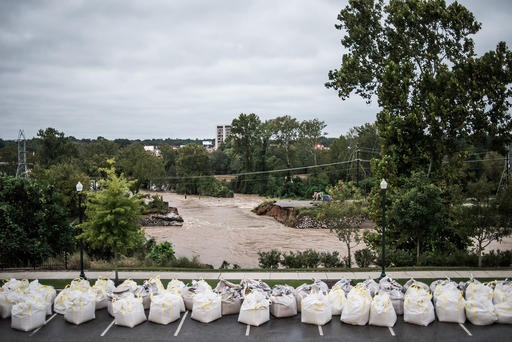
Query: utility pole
(22, 170)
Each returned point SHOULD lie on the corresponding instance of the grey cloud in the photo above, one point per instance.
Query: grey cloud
(142, 69)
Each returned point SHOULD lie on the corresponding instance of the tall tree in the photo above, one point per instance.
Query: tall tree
(244, 138)
(140, 165)
(53, 147)
(310, 132)
(33, 222)
(285, 131)
(112, 215)
(417, 57)
(192, 161)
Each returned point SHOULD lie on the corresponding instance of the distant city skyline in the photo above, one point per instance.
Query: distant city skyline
(176, 69)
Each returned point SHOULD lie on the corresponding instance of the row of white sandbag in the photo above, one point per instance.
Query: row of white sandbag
(27, 303)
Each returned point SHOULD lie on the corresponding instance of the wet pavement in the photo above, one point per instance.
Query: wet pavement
(228, 329)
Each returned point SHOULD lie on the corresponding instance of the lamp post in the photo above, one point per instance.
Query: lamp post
(79, 188)
(383, 187)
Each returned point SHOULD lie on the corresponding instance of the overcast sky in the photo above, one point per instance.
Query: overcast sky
(158, 69)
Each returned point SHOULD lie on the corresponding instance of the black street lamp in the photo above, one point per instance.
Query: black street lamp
(79, 188)
(383, 187)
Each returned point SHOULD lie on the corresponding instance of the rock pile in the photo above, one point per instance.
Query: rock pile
(172, 218)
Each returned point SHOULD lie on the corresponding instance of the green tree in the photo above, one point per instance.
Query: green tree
(285, 132)
(417, 57)
(345, 219)
(64, 177)
(53, 147)
(418, 214)
(33, 222)
(310, 132)
(112, 216)
(142, 166)
(192, 161)
(244, 138)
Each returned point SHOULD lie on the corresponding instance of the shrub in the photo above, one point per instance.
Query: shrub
(157, 205)
(292, 260)
(497, 259)
(330, 260)
(269, 259)
(162, 253)
(364, 257)
(236, 266)
(187, 263)
(311, 258)
(400, 257)
(224, 265)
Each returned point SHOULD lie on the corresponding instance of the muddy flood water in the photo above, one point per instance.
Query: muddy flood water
(219, 229)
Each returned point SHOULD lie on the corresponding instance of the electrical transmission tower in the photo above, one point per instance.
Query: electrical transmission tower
(22, 170)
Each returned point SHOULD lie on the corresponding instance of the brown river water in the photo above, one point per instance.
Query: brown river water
(218, 229)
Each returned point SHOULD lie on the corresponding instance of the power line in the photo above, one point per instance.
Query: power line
(273, 171)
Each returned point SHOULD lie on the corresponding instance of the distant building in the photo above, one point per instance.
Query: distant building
(152, 149)
(222, 133)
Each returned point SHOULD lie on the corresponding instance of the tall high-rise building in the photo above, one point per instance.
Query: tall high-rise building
(222, 133)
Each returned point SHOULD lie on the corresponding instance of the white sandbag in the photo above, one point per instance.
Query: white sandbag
(60, 302)
(418, 307)
(316, 309)
(101, 298)
(345, 284)
(155, 284)
(337, 300)
(394, 290)
(504, 311)
(382, 312)
(305, 289)
(80, 284)
(176, 284)
(416, 283)
(231, 297)
(38, 298)
(283, 302)
(255, 309)
(27, 316)
(357, 307)
(105, 283)
(450, 305)
(372, 286)
(478, 291)
(165, 308)
(48, 293)
(206, 306)
(128, 311)
(480, 312)
(8, 298)
(114, 296)
(439, 285)
(130, 284)
(80, 309)
(250, 285)
(502, 292)
(190, 291)
(177, 292)
(145, 295)
(14, 284)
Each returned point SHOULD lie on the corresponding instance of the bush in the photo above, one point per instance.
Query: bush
(292, 260)
(162, 254)
(187, 263)
(157, 205)
(224, 265)
(364, 257)
(330, 260)
(269, 259)
(497, 259)
(311, 258)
